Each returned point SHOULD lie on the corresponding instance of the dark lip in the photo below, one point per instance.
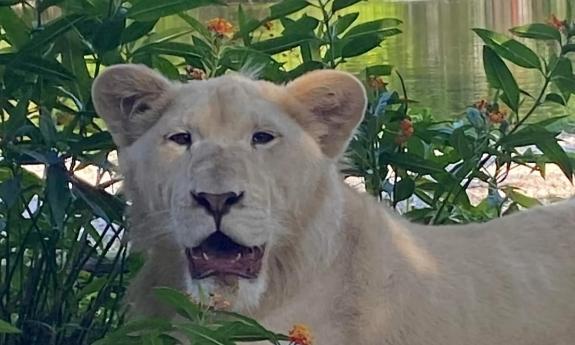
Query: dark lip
(219, 255)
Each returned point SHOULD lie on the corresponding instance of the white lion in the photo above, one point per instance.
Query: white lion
(235, 188)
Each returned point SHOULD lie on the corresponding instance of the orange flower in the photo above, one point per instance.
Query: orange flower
(195, 73)
(376, 83)
(480, 105)
(497, 116)
(300, 335)
(220, 27)
(406, 131)
(556, 23)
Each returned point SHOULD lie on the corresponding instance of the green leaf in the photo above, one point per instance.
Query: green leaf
(195, 24)
(509, 49)
(106, 206)
(373, 26)
(125, 335)
(179, 301)
(246, 25)
(146, 10)
(96, 141)
(51, 32)
(537, 31)
(72, 49)
(521, 199)
(378, 70)
(462, 143)
(304, 26)
(530, 135)
(562, 76)
(15, 28)
(184, 50)
(42, 67)
(361, 46)
(555, 98)
(137, 30)
(286, 7)
(344, 22)
(555, 153)
(166, 67)
(108, 35)
(167, 35)
(58, 193)
(341, 4)
(47, 127)
(403, 189)
(279, 44)
(499, 77)
(6, 327)
(561, 67)
(566, 85)
(202, 335)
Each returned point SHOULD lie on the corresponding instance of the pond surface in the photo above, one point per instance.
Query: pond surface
(438, 54)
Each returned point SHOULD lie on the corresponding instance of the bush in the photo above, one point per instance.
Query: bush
(63, 278)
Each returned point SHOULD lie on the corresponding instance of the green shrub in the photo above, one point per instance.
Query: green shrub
(62, 278)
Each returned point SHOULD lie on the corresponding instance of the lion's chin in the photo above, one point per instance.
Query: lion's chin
(238, 293)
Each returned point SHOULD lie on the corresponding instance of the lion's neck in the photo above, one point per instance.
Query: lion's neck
(328, 233)
(318, 279)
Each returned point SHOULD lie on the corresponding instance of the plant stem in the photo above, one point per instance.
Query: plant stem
(530, 112)
(329, 32)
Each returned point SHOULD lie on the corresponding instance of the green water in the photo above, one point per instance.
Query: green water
(438, 54)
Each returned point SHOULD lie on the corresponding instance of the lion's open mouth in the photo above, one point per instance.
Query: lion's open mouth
(219, 255)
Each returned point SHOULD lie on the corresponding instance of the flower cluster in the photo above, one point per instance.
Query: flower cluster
(300, 335)
(406, 131)
(492, 112)
(221, 27)
(376, 83)
(558, 24)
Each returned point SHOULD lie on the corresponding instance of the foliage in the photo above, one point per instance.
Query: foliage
(403, 153)
(201, 322)
(62, 276)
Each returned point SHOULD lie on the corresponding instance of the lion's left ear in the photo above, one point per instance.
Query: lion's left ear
(335, 103)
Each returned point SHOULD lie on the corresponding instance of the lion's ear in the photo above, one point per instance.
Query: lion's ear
(130, 99)
(336, 103)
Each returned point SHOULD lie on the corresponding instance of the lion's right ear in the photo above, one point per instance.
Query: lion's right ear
(130, 99)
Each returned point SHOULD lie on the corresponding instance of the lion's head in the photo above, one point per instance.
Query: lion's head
(239, 175)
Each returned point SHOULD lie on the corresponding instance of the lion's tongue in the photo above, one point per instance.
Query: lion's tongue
(219, 255)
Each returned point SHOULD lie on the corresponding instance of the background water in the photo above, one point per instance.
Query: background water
(437, 53)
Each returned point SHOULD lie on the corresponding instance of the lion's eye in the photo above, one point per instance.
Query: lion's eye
(259, 138)
(183, 138)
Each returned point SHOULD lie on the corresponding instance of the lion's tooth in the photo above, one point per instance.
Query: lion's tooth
(238, 257)
(206, 257)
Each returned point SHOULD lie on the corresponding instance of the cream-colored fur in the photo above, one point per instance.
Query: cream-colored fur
(335, 259)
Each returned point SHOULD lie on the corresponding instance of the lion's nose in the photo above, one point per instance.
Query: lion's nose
(217, 205)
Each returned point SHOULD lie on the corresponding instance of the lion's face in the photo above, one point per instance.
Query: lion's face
(230, 167)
